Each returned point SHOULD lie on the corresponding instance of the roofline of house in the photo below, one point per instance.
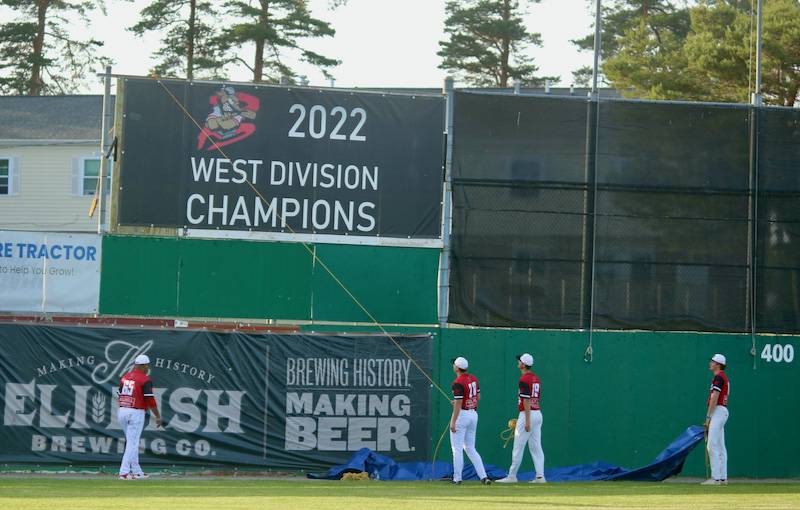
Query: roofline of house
(51, 140)
(25, 96)
(40, 141)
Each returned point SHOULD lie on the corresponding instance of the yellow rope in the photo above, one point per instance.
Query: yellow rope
(708, 464)
(347, 291)
(508, 434)
(436, 450)
(356, 477)
(316, 258)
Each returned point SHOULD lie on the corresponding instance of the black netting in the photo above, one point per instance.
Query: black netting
(778, 253)
(658, 195)
(519, 206)
(672, 217)
(519, 139)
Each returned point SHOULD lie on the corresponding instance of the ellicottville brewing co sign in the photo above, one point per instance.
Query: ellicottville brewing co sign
(278, 401)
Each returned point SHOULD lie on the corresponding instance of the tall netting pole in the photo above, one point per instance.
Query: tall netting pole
(591, 169)
(757, 101)
(105, 144)
(447, 210)
(596, 64)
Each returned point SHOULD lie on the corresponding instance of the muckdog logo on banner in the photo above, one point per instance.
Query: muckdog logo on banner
(282, 161)
(230, 120)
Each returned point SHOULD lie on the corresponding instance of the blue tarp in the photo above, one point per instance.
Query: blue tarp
(668, 463)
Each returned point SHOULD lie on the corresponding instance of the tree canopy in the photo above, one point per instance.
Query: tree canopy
(702, 50)
(487, 43)
(39, 54)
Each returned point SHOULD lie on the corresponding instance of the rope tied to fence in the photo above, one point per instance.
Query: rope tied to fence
(330, 272)
(314, 256)
(507, 435)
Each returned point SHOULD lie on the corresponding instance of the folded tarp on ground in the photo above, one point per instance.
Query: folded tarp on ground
(668, 463)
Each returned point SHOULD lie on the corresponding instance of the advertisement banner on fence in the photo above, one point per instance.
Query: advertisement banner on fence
(49, 272)
(215, 158)
(277, 401)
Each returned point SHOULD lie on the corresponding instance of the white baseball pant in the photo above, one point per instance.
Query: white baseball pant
(463, 440)
(534, 441)
(717, 453)
(132, 422)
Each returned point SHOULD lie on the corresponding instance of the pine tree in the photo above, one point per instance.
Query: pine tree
(621, 16)
(37, 53)
(656, 49)
(721, 46)
(582, 77)
(653, 67)
(277, 30)
(191, 46)
(647, 32)
(487, 40)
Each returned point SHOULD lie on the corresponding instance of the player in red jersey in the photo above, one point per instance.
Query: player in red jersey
(135, 398)
(464, 421)
(716, 417)
(529, 422)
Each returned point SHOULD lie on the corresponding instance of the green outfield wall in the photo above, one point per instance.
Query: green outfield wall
(640, 391)
(155, 276)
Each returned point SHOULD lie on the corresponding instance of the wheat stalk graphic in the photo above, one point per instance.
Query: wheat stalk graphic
(98, 407)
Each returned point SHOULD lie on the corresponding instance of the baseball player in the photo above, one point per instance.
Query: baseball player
(529, 422)
(135, 398)
(464, 421)
(716, 417)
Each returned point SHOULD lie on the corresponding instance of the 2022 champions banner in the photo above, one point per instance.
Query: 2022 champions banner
(279, 401)
(216, 158)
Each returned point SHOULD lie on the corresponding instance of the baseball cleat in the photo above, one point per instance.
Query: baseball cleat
(486, 481)
(508, 479)
(454, 482)
(538, 479)
(711, 481)
(141, 476)
(125, 477)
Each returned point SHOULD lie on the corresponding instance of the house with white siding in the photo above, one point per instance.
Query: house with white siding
(49, 162)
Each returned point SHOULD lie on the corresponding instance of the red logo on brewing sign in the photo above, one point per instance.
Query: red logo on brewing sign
(230, 120)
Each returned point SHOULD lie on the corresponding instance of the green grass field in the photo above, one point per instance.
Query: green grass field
(43, 493)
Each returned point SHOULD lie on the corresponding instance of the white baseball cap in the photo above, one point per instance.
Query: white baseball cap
(719, 358)
(526, 359)
(142, 359)
(461, 363)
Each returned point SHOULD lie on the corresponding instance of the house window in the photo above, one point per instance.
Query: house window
(5, 176)
(90, 173)
(9, 176)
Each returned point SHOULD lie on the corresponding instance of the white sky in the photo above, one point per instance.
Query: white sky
(381, 43)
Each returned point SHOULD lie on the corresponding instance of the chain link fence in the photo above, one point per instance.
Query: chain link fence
(615, 214)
